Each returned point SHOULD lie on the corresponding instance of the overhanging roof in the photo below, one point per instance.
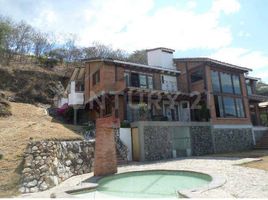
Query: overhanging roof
(158, 68)
(204, 59)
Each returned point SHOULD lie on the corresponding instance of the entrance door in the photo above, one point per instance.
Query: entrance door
(185, 111)
(135, 144)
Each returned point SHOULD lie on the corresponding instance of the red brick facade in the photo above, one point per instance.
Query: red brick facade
(105, 149)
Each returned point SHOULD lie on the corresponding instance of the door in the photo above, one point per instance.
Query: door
(135, 144)
(185, 111)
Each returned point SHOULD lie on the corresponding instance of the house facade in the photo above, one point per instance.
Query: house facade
(186, 106)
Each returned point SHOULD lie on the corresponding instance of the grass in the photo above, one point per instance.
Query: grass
(27, 121)
(262, 154)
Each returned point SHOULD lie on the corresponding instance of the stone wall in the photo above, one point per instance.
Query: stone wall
(229, 140)
(201, 140)
(47, 163)
(157, 142)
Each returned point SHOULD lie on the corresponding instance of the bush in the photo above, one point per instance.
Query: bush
(5, 109)
(125, 124)
(48, 62)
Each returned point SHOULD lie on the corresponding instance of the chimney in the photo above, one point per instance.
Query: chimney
(161, 57)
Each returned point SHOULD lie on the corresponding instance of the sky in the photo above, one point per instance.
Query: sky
(233, 31)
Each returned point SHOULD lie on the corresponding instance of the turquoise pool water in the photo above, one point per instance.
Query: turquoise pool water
(149, 184)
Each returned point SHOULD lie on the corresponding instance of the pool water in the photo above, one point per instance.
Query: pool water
(150, 184)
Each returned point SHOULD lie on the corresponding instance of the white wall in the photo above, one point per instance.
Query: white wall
(125, 136)
(170, 83)
(75, 98)
(160, 58)
(62, 101)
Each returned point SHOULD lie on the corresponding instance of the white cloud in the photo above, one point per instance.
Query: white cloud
(131, 25)
(256, 60)
(226, 6)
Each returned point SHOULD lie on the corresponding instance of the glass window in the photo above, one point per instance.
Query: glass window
(218, 106)
(249, 88)
(150, 82)
(143, 81)
(215, 81)
(226, 83)
(135, 80)
(96, 77)
(240, 108)
(126, 76)
(229, 107)
(197, 75)
(237, 86)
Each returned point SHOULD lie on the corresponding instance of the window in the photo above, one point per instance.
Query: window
(215, 81)
(226, 83)
(237, 86)
(126, 77)
(96, 77)
(197, 75)
(135, 80)
(229, 107)
(249, 88)
(218, 106)
(143, 81)
(240, 108)
(150, 82)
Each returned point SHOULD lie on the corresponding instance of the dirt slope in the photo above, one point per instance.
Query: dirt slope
(27, 121)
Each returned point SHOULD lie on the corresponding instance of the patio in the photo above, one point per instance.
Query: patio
(241, 182)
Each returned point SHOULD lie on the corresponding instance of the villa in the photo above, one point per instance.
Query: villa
(173, 106)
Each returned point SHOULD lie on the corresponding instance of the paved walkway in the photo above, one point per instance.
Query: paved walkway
(241, 182)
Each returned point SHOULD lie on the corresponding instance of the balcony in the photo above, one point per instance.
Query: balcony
(76, 94)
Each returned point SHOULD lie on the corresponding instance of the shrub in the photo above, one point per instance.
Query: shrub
(5, 109)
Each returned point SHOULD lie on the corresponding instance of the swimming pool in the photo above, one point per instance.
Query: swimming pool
(148, 184)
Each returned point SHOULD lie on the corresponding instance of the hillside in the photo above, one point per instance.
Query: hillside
(31, 83)
(262, 88)
(27, 121)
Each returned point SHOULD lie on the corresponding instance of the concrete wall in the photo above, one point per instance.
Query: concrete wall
(125, 136)
(48, 163)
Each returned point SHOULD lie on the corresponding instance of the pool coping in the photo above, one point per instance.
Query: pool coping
(216, 182)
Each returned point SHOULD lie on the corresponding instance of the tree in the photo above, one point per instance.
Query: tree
(41, 44)
(20, 40)
(138, 56)
(104, 51)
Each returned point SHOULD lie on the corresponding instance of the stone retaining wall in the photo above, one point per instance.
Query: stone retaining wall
(230, 140)
(201, 140)
(48, 163)
(157, 142)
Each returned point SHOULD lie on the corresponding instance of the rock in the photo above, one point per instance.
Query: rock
(44, 168)
(35, 148)
(34, 189)
(68, 162)
(38, 158)
(22, 190)
(43, 186)
(26, 170)
(79, 161)
(32, 183)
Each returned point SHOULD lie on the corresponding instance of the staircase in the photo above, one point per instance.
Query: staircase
(263, 142)
(121, 149)
(120, 159)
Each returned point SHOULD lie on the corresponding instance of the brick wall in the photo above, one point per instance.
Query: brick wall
(105, 151)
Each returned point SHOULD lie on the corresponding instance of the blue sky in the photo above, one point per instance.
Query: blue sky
(233, 31)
